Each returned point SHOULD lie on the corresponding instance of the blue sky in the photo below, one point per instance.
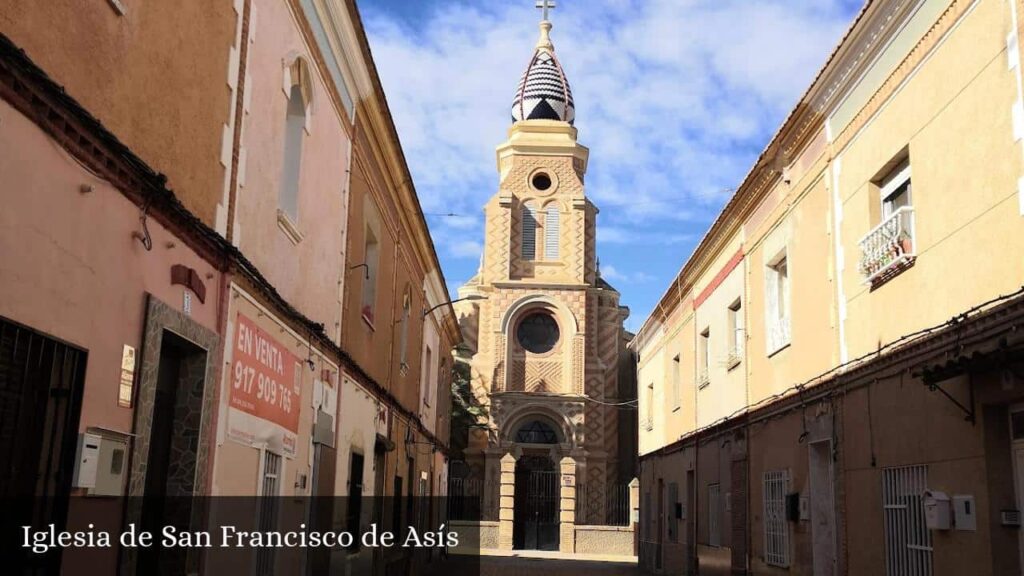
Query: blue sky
(674, 98)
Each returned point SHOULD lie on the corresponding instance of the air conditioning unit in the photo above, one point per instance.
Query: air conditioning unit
(1010, 518)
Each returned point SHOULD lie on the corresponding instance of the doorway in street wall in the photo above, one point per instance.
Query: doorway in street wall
(536, 503)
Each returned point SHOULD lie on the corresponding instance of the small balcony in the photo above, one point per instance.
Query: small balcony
(889, 248)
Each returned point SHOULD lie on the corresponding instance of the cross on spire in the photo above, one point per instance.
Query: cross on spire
(545, 5)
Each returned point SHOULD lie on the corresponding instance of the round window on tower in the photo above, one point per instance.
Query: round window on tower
(541, 181)
(538, 333)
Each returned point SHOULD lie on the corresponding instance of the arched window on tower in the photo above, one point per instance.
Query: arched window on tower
(551, 232)
(529, 243)
(297, 76)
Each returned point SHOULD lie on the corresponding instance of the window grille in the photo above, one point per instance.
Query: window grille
(551, 232)
(271, 489)
(908, 543)
(776, 528)
(529, 247)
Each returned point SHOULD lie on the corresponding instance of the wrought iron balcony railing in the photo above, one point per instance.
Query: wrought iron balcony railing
(889, 247)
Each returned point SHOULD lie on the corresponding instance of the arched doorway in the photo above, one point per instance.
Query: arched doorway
(537, 488)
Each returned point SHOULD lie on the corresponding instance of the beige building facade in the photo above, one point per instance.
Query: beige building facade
(544, 331)
(837, 366)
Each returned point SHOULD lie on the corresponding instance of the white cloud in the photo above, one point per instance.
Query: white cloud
(465, 249)
(675, 98)
(612, 274)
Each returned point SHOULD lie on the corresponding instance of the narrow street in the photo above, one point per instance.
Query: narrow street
(523, 566)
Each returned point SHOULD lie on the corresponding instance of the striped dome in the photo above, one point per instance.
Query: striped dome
(543, 92)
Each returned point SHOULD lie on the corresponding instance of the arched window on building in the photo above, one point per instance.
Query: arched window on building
(529, 247)
(298, 88)
(551, 232)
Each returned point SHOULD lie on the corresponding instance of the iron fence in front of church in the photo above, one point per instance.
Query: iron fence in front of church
(609, 507)
(465, 497)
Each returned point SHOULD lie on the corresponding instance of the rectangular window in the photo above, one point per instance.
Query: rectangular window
(714, 515)
(895, 189)
(371, 255)
(777, 321)
(908, 542)
(355, 497)
(776, 527)
(890, 246)
(677, 382)
(736, 335)
(428, 371)
(649, 412)
(704, 358)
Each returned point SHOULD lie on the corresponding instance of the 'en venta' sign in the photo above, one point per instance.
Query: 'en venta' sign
(263, 381)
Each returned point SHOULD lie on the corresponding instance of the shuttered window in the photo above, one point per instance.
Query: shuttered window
(529, 246)
(551, 232)
(776, 528)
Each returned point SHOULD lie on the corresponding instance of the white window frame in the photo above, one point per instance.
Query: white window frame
(677, 381)
(892, 184)
(776, 525)
(778, 308)
(704, 358)
(649, 409)
(737, 333)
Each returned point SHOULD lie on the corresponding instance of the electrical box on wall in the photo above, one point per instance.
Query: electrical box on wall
(965, 516)
(86, 460)
(111, 467)
(936, 510)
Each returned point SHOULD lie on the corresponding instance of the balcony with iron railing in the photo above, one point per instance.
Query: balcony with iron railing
(888, 248)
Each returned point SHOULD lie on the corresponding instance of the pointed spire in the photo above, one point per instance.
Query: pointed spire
(543, 92)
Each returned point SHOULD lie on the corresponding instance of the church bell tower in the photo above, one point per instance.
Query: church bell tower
(544, 330)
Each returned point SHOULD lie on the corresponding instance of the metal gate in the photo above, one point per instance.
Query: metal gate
(41, 381)
(536, 510)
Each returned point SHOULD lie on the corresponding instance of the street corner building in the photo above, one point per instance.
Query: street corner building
(834, 381)
(545, 344)
(215, 280)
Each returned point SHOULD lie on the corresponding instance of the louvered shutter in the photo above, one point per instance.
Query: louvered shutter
(551, 235)
(529, 246)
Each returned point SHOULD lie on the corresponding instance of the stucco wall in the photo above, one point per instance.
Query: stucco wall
(80, 282)
(604, 540)
(165, 97)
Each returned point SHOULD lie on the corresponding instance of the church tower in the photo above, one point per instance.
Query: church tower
(544, 331)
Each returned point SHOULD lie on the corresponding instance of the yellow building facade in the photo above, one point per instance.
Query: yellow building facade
(840, 354)
(544, 331)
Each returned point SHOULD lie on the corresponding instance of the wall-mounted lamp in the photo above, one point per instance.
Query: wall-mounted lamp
(473, 297)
